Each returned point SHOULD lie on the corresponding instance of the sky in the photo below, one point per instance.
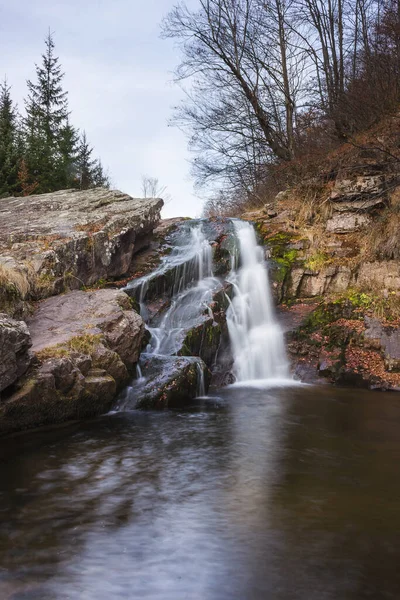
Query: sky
(119, 76)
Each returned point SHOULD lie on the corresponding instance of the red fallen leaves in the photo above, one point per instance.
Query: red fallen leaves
(370, 362)
(350, 324)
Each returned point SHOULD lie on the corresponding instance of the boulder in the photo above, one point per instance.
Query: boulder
(15, 356)
(106, 313)
(85, 345)
(168, 382)
(70, 238)
(361, 193)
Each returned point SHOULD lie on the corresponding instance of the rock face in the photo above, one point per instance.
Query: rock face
(385, 338)
(85, 346)
(355, 198)
(63, 240)
(346, 222)
(15, 357)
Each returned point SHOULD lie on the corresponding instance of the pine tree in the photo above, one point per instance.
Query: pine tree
(85, 163)
(9, 142)
(46, 120)
(66, 175)
(99, 177)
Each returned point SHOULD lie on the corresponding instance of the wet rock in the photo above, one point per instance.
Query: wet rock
(170, 382)
(15, 356)
(56, 393)
(203, 341)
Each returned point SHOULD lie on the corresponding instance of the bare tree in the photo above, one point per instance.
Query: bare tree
(151, 188)
(245, 78)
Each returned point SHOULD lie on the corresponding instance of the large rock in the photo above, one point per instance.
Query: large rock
(304, 283)
(385, 338)
(168, 382)
(86, 346)
(70, 238)
(15, 357)
(107, 313)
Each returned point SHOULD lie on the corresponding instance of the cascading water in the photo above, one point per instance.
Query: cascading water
(256, 337)
(185, 282)
(194, 284)
(177, 299)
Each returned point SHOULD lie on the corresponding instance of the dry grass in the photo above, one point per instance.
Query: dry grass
(14, 282)
(85, 344)
(82, 344)
(383, 239)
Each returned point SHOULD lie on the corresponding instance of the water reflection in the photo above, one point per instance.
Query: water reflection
(280, 494)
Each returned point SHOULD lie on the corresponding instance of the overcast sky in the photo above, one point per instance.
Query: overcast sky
(118, 74)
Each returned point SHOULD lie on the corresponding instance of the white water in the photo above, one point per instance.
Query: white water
(188, 303)
(256, 337)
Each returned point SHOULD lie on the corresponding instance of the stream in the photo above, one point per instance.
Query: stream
(254, 494)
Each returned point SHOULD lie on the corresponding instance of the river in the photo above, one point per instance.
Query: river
(253, 494)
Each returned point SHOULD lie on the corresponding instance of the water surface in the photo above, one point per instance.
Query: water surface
(253, 495)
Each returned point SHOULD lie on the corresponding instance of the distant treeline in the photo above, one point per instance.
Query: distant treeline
(40, 150)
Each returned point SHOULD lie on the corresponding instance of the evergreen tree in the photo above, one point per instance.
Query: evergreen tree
(10, 148)
(85, 164)
(66, 175)
(99, 177)
(46, 121)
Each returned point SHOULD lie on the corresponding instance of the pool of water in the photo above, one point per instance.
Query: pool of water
(290, 493)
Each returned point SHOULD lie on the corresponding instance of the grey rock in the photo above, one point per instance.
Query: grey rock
(86, 345)
(170, 382)
(347, 222)
(379, 275)
(103, 312)
(360, 193)
(68, 238)
(15, 357)
(386, 338)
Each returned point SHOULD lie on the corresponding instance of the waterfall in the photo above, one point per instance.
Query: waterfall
(256, 337)
(185, 282)
(194, 286)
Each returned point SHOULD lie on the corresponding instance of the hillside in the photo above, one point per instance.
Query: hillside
(334, 240)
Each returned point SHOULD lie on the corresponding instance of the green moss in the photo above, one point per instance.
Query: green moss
(317, 261)
(323, 315)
